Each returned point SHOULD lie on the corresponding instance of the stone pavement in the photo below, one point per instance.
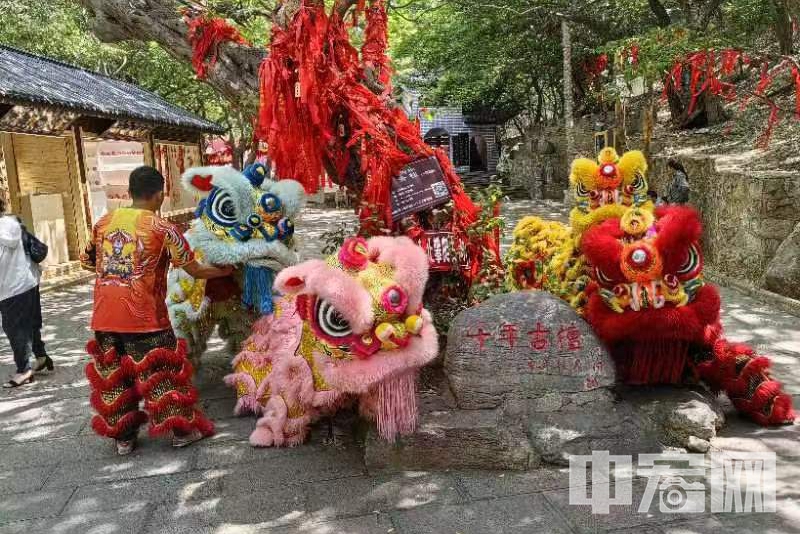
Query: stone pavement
(57, 477)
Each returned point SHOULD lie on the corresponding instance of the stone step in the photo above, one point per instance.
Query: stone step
(63, 275)
(61, 269)
(449, 438)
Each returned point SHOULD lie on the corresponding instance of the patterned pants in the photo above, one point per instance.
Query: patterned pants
(128, 368)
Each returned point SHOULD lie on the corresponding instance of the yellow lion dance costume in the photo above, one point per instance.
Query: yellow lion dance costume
(546, 254)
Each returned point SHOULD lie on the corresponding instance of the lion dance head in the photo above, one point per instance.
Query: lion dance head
(350, 328)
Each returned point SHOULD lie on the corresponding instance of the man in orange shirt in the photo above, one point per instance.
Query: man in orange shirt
(135, 353)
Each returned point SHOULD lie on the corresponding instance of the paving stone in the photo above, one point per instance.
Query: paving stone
(137, 465)
(127, 521)
(70, 384)
(289, 469)
(251, 512)
(524, 514)
(699, 525)
(38, 431)
(490, 484)
(740, 434)
(232, 429)
(212, 454)
(362, 495)
(33, 505)
(783, 441)
(779, 523)
(183, 487)
(583, 519)
(22, 480)
(219, 408)
(43, 408)
(368, 524)
(83, 447)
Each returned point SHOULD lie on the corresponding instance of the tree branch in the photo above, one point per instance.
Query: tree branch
(708, 12)
(660, 12)
(342, 6)
(235, 74)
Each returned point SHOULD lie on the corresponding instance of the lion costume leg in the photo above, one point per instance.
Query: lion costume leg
(164, 380)
(113, 390)
(290, 409)
(744, 376)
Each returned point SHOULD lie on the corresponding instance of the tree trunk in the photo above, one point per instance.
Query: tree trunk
(708, 110)
(620, 132)
(705, 16)
(660, 12)
(235, 74)
(569, 121)
(783, 26)
(648, 121)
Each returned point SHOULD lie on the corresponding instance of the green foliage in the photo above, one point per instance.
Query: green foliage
(488, 223)
(491, 276)
(508, 55)
(60, 29)
(334, 238)
(456, 57)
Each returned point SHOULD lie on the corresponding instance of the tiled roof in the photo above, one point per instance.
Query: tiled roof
(28, 78)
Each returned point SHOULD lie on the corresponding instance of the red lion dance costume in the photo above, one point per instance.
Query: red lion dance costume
(636, 274)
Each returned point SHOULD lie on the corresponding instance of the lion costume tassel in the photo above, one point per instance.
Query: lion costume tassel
(635, 272)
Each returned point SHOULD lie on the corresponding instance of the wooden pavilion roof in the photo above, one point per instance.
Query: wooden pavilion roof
(37, 85)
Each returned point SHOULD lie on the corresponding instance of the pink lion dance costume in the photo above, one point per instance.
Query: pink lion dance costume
(348, 328)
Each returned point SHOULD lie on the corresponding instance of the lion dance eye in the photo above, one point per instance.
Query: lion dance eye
(692, 261)
(330, 321)
(580, 190)
(221, 208)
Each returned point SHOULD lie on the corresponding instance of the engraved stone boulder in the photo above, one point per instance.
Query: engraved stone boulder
(526, 381)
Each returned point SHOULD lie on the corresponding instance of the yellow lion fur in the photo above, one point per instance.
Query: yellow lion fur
(555, 247)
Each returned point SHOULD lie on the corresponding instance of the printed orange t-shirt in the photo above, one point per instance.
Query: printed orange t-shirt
(130, 251)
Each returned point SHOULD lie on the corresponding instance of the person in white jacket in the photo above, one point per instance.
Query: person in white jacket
(20, 308)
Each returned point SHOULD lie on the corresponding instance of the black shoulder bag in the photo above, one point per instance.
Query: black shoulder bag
(34, 248)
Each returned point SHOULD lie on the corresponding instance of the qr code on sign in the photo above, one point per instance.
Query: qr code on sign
(439, 189)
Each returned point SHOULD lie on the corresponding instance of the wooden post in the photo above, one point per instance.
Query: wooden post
(7, 142)
(648, 118)
(149, 151)
(621, 141)
(79, 188)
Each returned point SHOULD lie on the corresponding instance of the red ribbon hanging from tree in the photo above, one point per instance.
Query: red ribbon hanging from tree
(707, 70)
(376, 41)
(205, 35)
(312, 92)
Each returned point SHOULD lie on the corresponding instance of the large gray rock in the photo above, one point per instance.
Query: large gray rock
(448, 437)
(783, 271)
(525, 345)
(525, 381)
